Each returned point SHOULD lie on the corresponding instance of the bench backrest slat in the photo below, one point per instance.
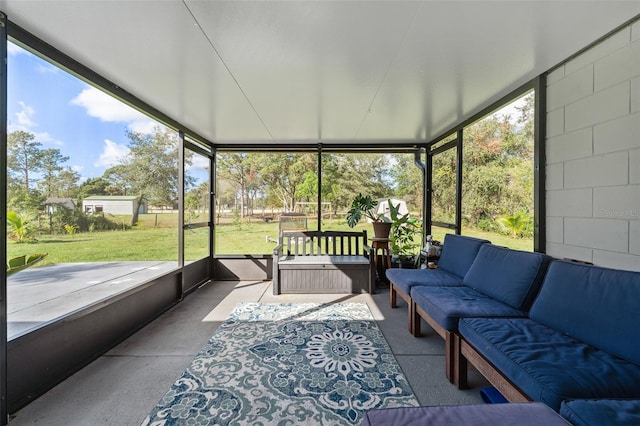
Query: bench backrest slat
(315, 243)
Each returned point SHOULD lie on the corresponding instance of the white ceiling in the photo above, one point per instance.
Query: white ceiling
(283, 71)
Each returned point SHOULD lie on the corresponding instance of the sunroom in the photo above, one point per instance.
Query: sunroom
(224, 117)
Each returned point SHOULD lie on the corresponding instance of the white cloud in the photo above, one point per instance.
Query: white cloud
(43, 137)
(25, 122)
(198, 162)
(77, 168)
(47, 69)
(146, 127)
(14, 49)
(46, 139)
(112, 154)
(106, 108)
(25, 115)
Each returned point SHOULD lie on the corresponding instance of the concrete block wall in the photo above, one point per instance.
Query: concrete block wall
(593, 154)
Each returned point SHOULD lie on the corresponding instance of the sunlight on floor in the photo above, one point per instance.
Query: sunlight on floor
(260, 291)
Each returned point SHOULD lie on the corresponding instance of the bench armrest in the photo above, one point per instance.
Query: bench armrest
(370, 254)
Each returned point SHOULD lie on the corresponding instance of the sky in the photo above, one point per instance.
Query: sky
(84, 123)
(63, 112)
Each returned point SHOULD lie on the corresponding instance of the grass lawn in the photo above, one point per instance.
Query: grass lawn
(138, 244)
(150, 242)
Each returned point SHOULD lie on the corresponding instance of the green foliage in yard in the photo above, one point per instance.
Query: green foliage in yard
(497, 182)
(20, 227)
(149, 242)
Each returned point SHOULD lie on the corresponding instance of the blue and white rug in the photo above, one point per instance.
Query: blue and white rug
(288, 364)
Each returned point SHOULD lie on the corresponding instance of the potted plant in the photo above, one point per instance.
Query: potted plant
(365, 205)
(404, 229)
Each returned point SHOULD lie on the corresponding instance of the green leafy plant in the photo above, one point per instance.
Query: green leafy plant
(364, 205)
(20, 227)
(237, 223)
(19, 263)
(517, 225)
(404, 229)
(70, 229)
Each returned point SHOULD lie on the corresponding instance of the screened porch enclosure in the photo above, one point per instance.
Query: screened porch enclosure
(221, 123)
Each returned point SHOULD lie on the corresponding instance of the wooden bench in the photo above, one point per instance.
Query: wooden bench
(323, 262)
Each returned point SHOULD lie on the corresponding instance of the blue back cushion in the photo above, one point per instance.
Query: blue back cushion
(458, 253)
(510, 276)
(598, 306)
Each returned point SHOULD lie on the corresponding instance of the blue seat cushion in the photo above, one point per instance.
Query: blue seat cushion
(446, 305)
(598, 306)
(619, 412)
(510, 276)
(405, 279)
(458, 253)
(522, 414)
(547, 365)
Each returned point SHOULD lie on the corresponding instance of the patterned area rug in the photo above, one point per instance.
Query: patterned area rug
(288, 364)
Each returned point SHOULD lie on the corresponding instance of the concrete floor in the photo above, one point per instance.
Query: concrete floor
(122, 386)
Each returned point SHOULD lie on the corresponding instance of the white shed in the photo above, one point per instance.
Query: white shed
(113, 204)
(383, 206)
(53, 203)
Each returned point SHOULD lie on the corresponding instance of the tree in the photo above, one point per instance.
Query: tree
(151, 169)
(68, 183)
(196, 201)
(94, 186)
(350, 174)
(24, 156)
(443, 196)
(19, 199)
(283, 174)
(24, 160)
(498, 173)
(51, 163)
(225, 195)
(408, 180)
(118, 180)
(236, 167)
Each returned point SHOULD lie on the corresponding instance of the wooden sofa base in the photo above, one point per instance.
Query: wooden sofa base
(464, 352)
(393, 293)
(448, 337)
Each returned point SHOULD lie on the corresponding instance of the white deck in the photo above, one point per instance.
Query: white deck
(40, 295)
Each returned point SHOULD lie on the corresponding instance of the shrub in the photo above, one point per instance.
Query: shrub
(70, 229)
(83, 223)
(20, 227)
(517, 225)
(488, 225)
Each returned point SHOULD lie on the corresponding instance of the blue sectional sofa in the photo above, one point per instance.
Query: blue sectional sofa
(579, 341)
(589, 412)
(576, 413)
(500, 283)
(458, 253)
(477, 415)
